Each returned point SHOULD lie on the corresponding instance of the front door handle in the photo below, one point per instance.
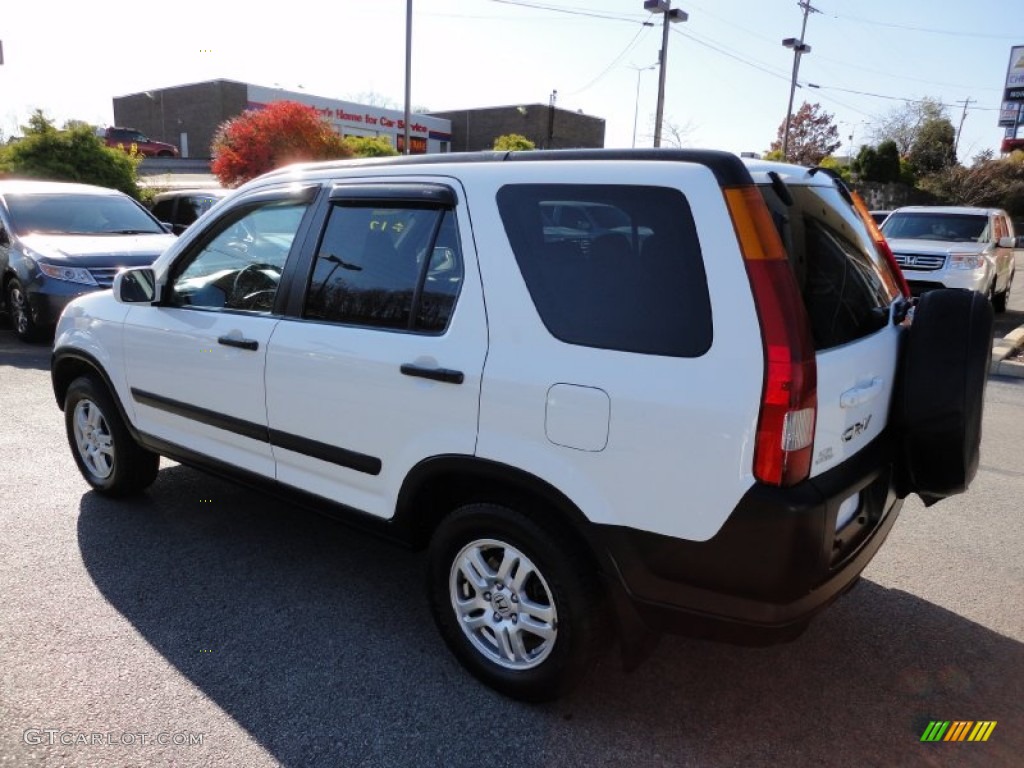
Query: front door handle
(434, 374)
(241, 343)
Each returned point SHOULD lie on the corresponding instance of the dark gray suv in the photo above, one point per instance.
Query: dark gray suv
(59, 240)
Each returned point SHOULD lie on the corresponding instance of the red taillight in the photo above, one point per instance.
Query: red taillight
(789, 401)
(895, 281)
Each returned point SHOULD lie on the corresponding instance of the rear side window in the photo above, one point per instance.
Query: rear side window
(611, 266)
(837, 267)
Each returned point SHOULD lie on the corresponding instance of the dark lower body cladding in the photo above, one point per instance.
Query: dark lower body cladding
(776, 562)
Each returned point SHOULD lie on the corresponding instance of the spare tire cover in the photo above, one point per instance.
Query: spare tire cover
(940, 394)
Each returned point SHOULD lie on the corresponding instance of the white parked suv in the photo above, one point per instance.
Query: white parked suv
(954, 247)
(692, 421)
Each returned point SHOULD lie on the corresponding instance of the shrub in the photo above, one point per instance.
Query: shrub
(73, 154)
(258, 141)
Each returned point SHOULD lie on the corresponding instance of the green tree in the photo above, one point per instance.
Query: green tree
(370, 146)
(903, 124)
(513, 142)
(880, 163)
(843, 169)
(73, 154)
(932, 150)
(812, 135)
(258, 141)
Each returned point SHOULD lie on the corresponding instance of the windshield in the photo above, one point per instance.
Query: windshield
(947, 227)
(79, 214)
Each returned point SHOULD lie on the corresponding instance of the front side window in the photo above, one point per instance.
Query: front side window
(611, 266)
(395, 267)
(239, 267)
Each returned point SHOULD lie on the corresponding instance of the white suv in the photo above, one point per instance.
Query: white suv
(691, 421)
(954, 247)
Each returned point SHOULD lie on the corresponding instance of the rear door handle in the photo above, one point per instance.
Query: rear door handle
(241, 343)
(861, 394)
(434, 374)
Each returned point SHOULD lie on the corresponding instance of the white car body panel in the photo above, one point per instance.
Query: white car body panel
(174, 353)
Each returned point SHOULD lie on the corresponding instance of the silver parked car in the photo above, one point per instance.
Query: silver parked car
(954, 247)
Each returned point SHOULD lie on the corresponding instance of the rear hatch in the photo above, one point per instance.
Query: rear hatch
(850, 295)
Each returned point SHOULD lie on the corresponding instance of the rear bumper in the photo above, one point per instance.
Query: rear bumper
(775, 563)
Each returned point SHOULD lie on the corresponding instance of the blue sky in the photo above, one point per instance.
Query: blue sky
(727, 76)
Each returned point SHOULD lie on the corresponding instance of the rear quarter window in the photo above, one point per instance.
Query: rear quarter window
(625, 274)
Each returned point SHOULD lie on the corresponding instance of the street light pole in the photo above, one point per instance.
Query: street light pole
(636, 104)
(408, 69)
(670, 15)
(799, 48)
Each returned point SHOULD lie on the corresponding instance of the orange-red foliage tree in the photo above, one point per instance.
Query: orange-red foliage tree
(261, 140)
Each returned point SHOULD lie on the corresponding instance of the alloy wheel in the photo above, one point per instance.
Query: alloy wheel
(93, 439)
(503, 604)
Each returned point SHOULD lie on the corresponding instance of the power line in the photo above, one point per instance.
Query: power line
(898, 98)
(928, 30)
(629, 46)
(568, 10)
(718, 49)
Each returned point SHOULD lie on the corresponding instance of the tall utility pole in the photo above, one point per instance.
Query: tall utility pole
(799, 49)
(959, 128)
(408, 69)
(670, 16)
(636, 104)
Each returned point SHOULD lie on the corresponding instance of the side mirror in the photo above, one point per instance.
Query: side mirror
(5, 239)
(135, 286)
(1007, 242)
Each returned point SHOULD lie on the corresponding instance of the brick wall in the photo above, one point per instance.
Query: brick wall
(197, 110)
(476, 129)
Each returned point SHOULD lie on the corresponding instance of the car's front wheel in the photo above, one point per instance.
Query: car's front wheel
(107, 456)
(516, 601)
(21, 314)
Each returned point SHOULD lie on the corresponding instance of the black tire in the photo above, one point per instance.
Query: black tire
(940, 396)
(551, 573)
(20, 312)
(106, 454)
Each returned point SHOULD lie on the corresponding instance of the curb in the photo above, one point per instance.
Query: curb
(1002, 349)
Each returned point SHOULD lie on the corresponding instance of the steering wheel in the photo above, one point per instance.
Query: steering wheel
(252, 287)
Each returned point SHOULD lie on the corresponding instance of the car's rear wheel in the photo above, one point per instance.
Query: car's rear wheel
(516, 601)
(106, 454)
(164, 153)
(21, 314)
(940, 397)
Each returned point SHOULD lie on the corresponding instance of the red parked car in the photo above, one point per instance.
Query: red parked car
(125, 138)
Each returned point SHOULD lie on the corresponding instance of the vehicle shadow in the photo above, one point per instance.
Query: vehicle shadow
(17, 354)
(293, 624)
